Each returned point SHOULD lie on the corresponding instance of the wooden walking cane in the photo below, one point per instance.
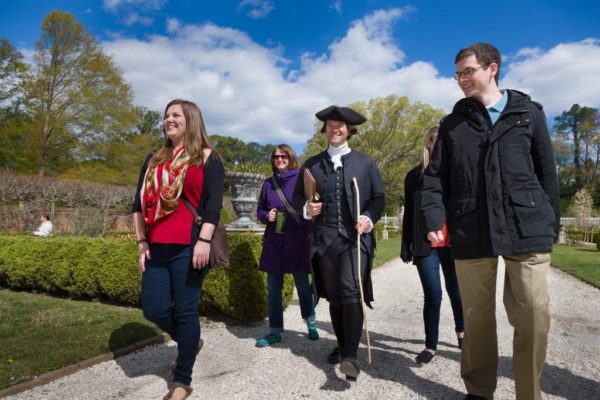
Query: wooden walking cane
(360, 285)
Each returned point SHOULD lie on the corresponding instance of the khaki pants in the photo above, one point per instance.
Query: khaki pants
(526, 303)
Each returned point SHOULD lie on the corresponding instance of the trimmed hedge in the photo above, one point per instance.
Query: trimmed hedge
(106, 269)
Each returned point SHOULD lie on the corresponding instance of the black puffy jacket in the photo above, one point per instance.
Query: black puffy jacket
(414, 235)
(497, 183)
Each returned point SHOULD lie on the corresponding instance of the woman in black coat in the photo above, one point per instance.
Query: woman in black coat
(428, 257)
(334, 228)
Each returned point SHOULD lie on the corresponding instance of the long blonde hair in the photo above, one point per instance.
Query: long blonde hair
(429, 134)
(195, 140)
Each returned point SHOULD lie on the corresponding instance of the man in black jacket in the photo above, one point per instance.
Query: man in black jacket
(492, 172)
(333, 232)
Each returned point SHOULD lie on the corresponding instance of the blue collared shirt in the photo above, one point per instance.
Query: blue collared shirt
(496, 109)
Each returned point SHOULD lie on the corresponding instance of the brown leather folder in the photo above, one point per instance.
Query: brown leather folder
(310, 186)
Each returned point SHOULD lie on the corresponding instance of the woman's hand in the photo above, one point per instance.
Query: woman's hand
(272, 215)
(200, 256)
(314, 209)
(435, 236)
(143, 255)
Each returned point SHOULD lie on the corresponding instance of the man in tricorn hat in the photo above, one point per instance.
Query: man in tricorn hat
(334, 227)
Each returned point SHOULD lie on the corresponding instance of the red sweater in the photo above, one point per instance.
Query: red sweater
(177, 227)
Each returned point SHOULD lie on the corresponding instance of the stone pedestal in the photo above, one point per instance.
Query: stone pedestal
(245, 188)
(562, 236)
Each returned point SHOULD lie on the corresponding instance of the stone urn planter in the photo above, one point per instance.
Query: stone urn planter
(245, 188)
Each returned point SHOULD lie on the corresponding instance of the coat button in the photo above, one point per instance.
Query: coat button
(533, 203)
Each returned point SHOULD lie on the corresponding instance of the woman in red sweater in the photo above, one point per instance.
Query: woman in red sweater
(173, 250)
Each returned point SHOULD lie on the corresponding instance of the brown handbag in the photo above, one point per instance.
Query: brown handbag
(219, 245)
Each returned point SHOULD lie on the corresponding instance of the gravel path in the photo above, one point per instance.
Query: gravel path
(230, 367)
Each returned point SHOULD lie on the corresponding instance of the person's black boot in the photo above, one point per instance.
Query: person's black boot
(349, 367)
(334, 357)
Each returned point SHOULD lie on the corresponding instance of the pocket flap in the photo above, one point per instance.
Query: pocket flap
(529, 199)
(462, 206)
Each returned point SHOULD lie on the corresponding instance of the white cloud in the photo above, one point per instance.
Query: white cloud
(558, 78)
(135, 18)
(247, 91)
(173, 25)
(256, 8)
(114, 5)
(337, 6)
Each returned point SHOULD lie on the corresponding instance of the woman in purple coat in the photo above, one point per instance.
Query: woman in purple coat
(285, 244)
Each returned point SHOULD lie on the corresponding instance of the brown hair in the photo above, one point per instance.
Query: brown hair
(429, 133)
(292, 161)
(485, 53)
(195, 140)
(352, 129)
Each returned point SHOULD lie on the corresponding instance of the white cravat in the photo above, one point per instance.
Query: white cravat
(336, 154)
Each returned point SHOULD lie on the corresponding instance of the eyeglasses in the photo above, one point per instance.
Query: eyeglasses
(281, 156)
(467, 72)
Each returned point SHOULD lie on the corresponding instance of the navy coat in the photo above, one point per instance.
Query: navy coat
(372, 202)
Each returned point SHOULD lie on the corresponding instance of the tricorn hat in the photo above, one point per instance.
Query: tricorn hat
(343, 114)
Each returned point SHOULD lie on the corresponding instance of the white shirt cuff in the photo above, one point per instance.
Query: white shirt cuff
(304, 213)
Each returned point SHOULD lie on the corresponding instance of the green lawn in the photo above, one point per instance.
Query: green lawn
(582, 262)
(386, 250)
(40, 333)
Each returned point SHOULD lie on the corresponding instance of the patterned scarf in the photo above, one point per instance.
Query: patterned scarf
(162, 187)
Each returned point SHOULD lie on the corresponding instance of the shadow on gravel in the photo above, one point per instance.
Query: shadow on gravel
(158, 364)
(391, 361)
(558, 381)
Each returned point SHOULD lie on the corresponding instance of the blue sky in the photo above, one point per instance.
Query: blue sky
(260, 69)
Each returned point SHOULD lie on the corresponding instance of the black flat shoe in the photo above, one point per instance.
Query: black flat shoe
(349, 367)
(425, 357)
(334, 357)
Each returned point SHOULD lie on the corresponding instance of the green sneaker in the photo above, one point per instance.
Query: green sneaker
(268, 340)
(313, 334)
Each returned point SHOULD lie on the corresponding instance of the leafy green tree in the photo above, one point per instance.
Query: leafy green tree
(581, 204)
(13, 151)
(596, 193)
(392, 135)
(579, 127)
(12, 71)
(117, 160)
(237, 154)
(75, 94)
(149, 122)
(12, 116)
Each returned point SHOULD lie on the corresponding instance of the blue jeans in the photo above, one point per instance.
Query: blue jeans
(429, 272)
(170, 296)
(275, 301)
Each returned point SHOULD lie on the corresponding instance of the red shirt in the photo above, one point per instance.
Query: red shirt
(176, 228)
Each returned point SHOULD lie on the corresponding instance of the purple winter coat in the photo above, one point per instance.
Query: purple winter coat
(288, 251)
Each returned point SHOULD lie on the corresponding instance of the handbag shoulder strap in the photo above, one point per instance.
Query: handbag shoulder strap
(287, 205)
(197, 218)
